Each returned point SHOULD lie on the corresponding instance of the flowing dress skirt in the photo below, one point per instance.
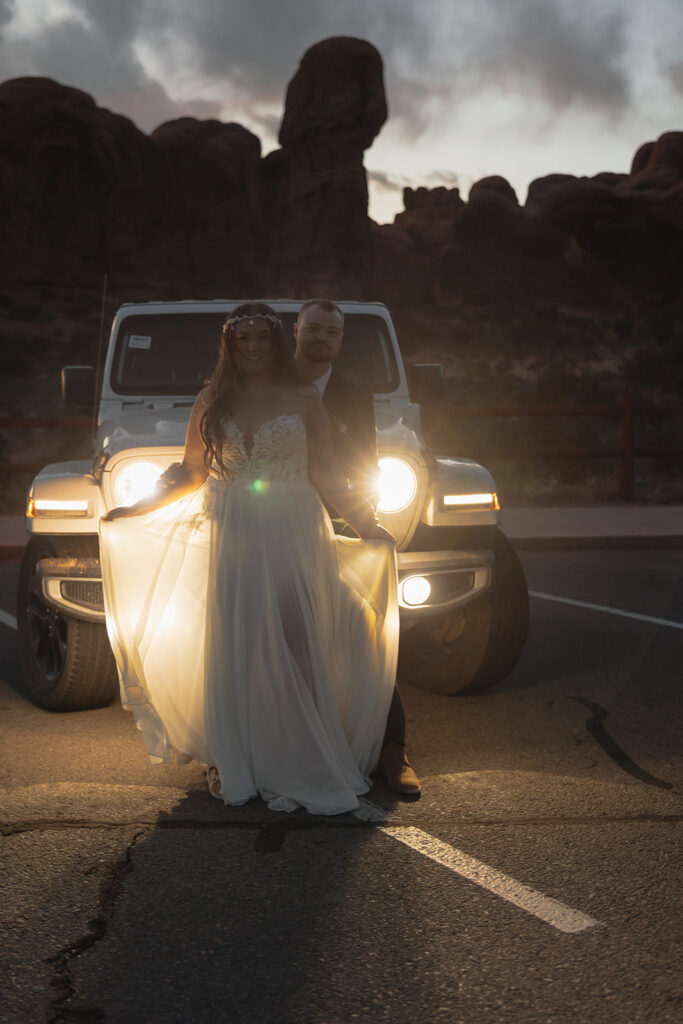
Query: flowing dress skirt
(251, 638)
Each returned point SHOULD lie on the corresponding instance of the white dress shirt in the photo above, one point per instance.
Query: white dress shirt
(320, 383)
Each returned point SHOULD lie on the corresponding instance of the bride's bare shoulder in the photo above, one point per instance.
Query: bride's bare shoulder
(201, 402)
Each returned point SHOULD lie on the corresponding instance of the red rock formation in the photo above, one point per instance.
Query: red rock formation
(336, 97)
(69, 172)
(213, 228)
(320, 237)
(658, 165)
(495, 183)
(487, 253)
(193, 210)
(86, 192)
(632, 225)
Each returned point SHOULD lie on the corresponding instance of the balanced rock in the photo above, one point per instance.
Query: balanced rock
(320, 241)
(336, 97)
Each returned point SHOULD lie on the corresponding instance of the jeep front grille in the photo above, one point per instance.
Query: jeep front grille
(452, 584)
(85, 593)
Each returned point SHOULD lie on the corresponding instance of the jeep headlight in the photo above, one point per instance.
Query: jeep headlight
(136, 481)
(397, 485)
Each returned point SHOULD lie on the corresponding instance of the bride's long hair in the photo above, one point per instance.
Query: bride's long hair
(225, 380)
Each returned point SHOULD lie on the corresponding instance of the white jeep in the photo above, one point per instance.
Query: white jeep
(463, 596)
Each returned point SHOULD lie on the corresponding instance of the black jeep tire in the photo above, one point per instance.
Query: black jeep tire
(473, 648)
(68, 663)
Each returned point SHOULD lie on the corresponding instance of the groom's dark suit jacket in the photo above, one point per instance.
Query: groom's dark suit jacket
(354, 434)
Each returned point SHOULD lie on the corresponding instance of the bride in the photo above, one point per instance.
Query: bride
(247, 635)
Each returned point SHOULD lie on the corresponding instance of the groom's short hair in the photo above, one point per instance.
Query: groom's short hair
(325, 304)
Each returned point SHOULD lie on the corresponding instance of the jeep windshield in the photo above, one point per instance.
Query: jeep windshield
(174, 353)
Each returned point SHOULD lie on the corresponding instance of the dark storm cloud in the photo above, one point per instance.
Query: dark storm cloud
(251, 48)
(438, 54)
(94, 50)
(6, 11)
(92, 47)
(258, 43)
(568, 56)
(118, 21)
(69, 50)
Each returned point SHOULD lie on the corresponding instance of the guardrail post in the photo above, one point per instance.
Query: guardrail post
(628, 447)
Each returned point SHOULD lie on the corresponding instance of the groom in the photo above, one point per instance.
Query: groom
(319, 330)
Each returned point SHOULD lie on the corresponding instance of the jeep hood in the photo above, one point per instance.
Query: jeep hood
(145, 428)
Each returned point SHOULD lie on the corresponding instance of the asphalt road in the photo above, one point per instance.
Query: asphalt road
(536, 880)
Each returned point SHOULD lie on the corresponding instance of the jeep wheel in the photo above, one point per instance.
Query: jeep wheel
(68, 663)
(477, 646)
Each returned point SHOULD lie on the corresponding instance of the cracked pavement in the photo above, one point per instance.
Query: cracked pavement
(127, 894)
(53, 894)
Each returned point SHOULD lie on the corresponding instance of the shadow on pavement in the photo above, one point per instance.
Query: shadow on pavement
(227, 914)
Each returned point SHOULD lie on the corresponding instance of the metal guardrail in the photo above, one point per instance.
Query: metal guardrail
(626, 451)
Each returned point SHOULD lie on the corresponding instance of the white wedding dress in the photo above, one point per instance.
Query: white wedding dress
(251, 638)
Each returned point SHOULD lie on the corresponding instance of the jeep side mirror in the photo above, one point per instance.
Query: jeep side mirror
(425, 381)
(78, 385)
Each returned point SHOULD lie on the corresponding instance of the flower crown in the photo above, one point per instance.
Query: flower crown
(231, 321)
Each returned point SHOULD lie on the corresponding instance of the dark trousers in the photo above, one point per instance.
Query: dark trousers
(395, 731)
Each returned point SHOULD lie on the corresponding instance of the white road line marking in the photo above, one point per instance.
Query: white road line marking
(610, 611)
(545, 908)
(8, 620)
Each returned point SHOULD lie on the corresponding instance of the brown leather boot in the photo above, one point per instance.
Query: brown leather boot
(395, 767)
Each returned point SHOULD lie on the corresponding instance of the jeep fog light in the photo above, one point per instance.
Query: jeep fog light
(397, 485)
(415, 590)
(136, 481)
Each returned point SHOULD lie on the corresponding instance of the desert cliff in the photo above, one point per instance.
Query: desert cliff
(573, 296)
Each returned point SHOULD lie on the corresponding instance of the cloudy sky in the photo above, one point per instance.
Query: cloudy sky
(520, 88)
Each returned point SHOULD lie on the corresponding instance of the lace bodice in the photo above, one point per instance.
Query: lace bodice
(279, 449)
